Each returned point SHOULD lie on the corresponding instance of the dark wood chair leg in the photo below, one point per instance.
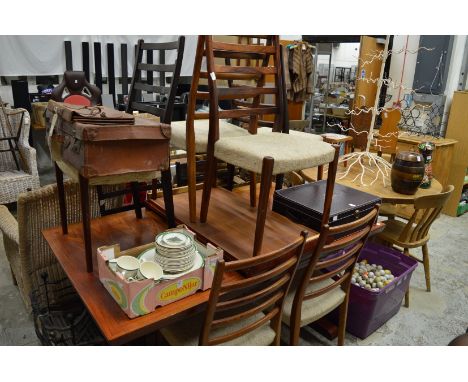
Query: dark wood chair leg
(279, 181)
(86, 216)
(230, 176)
(294, 332)
(61, 197)
(265, 185)
(154, 189)
(136, 199)
(253, 189)
(342, 321)
(166, 180)
(320, 172)
(210, 176)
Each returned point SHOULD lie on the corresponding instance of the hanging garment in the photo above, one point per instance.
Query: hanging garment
(301, 69)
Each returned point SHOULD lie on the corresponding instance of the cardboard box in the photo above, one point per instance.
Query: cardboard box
(137, 298)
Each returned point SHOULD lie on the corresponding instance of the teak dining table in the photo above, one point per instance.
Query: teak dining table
(236, 222)
(231, 226)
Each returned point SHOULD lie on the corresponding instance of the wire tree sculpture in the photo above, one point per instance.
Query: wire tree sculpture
(372, 166)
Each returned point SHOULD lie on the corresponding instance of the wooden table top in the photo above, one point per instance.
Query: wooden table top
(231, 223)
(415, 139)
(129, 232)
(378, 189)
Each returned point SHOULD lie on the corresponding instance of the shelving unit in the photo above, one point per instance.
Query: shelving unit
(457, 128)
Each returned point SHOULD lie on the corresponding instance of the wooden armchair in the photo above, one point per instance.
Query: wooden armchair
(415, 232)
(274, 153)
(325, 283)
(246, 311)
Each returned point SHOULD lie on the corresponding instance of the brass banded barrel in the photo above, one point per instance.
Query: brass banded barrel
(407, 172)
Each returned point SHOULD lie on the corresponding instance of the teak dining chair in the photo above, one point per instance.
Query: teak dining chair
(325, 283)
(144, 62)
(246, 311)
(268, 154)
(415, 232)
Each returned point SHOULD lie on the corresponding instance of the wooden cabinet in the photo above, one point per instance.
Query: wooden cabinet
(457, 128)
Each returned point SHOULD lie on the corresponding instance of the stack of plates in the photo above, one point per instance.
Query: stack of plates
(175, 251)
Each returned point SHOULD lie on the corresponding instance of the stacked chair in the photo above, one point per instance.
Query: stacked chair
(163, 109)
(268, 154)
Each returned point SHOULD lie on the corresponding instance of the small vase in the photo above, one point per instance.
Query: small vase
(426, 149)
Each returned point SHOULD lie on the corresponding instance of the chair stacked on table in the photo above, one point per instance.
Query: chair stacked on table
(269, 154)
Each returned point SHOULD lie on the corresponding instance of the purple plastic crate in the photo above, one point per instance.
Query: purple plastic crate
(367, 310)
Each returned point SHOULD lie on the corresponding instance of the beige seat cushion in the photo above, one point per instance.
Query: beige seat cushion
(291, 152)
(178, 133)
(315, 308)
(226, 129)
(187, 332)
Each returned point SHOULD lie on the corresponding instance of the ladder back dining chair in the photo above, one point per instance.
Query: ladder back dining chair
(163, 108)
(269, 154)
(245, 311)
(325, 283)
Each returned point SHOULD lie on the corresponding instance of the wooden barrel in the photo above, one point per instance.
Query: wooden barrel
(407, 172)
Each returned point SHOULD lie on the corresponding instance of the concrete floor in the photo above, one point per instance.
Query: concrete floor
(433, 318)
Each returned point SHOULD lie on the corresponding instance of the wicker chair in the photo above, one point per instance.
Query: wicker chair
(27, 251)
(14, 181)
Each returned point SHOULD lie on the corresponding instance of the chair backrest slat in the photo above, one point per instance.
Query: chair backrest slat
(262, 290)
(238, 302)
(426, 211)
(165, 108)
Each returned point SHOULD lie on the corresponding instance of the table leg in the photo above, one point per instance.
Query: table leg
(86, 216)
(61, 197)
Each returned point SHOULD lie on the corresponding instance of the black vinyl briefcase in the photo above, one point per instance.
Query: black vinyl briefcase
(304, 204)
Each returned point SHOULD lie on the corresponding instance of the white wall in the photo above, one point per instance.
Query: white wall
(458, 51)
(346, 55)
(402, 69)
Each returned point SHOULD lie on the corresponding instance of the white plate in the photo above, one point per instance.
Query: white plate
(173, 240)
(148, 255)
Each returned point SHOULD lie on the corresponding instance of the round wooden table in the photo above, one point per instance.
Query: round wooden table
(384, 192)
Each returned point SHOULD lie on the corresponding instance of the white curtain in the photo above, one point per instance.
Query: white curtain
(45, 55)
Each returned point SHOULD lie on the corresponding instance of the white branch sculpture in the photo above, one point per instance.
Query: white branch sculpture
(371, 163)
